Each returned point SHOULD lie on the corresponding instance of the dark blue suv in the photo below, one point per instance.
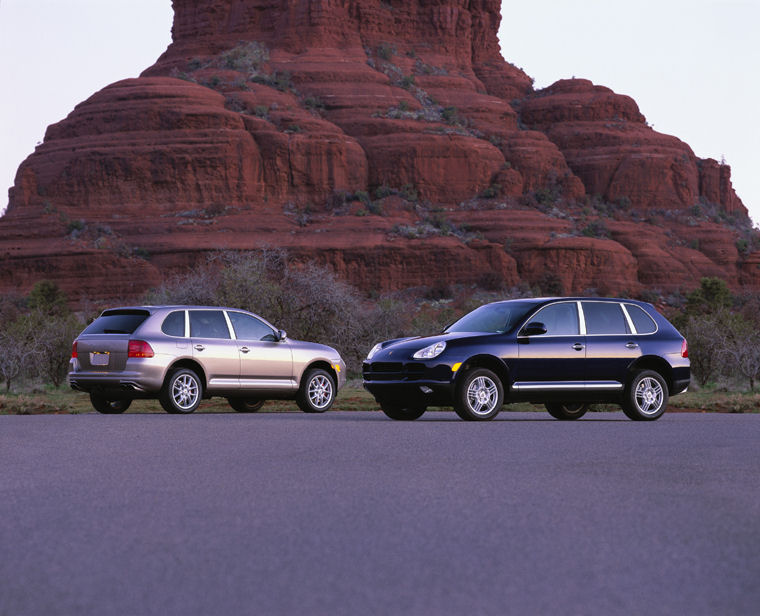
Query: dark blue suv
(563, 352)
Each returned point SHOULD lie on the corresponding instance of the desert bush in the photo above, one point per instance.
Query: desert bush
(307, 300)
(741, 349)
(245, 57)
(706, 344)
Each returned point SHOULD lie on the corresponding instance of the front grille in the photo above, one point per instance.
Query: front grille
(381, 366)
(397, 371)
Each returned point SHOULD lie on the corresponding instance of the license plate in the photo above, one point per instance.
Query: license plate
(99, 359)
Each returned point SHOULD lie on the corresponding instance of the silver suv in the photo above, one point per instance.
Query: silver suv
(182, 354)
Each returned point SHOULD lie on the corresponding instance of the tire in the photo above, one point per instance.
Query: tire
(400, 413)
(317, 392)
(246, 405)
(646, 396)
(480, 396)
(566, 410)
(182, 392)
(109, 406)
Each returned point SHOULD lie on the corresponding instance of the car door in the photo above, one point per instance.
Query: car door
(214, 349)
(611, 346)
(266, 363)
(554, 360)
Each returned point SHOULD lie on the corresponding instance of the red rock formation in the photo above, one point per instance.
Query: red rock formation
(388, 139)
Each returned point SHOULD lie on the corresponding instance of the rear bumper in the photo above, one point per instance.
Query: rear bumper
(147, 380)
(681, 379)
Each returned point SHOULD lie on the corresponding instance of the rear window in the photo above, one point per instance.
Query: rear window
(641, 320)
(117, 322)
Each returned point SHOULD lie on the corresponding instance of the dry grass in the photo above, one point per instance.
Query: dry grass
(351, 398)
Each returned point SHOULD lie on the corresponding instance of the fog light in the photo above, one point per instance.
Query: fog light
(425, 389)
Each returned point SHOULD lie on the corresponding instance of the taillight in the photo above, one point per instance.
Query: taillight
(684, 348)
(139, 348)
(74, 350)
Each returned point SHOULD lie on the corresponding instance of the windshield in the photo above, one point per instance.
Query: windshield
(493, 318)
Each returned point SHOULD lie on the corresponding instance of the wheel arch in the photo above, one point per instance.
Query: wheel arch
(657, 364)
(321, 364)
(190, 364)
(491, 362)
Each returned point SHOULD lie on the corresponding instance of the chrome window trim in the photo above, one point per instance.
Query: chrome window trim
(656, 324)
(631, 326)
(233, 334)
(582, 318)
(596, 301)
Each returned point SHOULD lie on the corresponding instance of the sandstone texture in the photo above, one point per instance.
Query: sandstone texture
(386, 139)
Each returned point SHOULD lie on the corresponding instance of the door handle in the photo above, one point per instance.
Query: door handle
(578, 346)
(632, 345)
(199, 347)
(244, 349)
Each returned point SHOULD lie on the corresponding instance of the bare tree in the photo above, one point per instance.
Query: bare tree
(742, 349)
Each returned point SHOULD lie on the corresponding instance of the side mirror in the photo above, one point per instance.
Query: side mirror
(534, 329)
(281, 335)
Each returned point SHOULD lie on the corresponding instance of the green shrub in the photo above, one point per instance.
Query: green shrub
(245, 57)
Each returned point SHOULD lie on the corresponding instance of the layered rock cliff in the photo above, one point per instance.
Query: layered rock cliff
(388, 139)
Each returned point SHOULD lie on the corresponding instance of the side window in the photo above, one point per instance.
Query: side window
(174, 324)
(559, 319)
(208, 324)
(641, 320)
(604, 318)
(250, 328)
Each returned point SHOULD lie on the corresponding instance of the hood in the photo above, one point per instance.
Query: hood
(403, 348)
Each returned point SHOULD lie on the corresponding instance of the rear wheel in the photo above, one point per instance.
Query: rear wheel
(480, 396)
(109, 406)
(246, 405)
(401, 413)
(646, 396)
(566, 410)
(182, 392)
(317, 392)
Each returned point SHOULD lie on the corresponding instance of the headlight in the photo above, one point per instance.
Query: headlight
(429, 352)
(374, 350)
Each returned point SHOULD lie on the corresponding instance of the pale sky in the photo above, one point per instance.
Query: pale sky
(692, 65)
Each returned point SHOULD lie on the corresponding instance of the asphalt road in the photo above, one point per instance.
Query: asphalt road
(351, 513)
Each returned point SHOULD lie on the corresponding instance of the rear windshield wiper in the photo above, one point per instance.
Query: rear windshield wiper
(114, 331)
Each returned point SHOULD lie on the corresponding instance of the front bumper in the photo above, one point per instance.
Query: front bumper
(410, 383)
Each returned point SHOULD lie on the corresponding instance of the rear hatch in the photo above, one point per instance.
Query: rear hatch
(104, 345)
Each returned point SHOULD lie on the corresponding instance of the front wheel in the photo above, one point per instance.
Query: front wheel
(317, 392)
(109, 406)
(182, 392)
(401, 413)
(566, 410)
(480, 396)
(246, 405)
(646, 396)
